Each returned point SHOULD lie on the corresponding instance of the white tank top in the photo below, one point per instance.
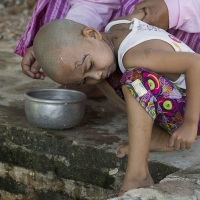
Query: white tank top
(141, 32)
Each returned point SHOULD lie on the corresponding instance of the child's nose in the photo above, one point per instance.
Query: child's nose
(98, 75)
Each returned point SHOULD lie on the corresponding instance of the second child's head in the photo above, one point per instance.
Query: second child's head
(71, 53)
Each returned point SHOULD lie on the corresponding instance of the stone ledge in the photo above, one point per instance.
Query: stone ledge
(68, 154)
(29, 184)
(32, 157)
(181, 185)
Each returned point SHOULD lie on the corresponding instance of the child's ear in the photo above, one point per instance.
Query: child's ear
(91, 32)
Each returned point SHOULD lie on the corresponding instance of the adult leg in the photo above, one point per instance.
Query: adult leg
(140, 126)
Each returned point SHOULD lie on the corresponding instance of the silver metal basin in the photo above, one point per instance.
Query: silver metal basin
(55, 108)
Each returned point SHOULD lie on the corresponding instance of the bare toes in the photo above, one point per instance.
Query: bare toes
(122, 150)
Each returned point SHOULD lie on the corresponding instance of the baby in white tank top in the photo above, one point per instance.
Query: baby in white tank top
(151, 60)
(141, 32)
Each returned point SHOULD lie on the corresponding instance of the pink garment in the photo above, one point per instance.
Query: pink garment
(184, 15)
(99, 13)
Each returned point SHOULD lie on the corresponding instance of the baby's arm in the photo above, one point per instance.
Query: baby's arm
(174, 63)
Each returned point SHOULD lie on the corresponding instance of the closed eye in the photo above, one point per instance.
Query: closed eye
(91, 66)
(85, 79)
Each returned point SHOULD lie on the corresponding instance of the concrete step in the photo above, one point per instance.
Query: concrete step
(78, 163)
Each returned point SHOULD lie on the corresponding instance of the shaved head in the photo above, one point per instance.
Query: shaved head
(54, 38)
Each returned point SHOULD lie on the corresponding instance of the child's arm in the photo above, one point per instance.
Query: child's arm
(174, 63)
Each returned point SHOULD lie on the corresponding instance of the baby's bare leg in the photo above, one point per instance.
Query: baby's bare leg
(159, 138)
(159, 141)
(139, 133)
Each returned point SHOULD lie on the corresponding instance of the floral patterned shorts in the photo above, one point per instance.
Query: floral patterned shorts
(163, 100)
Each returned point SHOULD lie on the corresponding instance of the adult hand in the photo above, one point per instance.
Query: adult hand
(183, 137)
(139, 14)
(156, 13)
(30, 66)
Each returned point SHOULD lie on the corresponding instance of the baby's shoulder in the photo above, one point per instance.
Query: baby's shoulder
(118, 24)
(120, 27)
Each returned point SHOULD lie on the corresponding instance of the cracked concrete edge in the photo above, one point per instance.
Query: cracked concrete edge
(181, 185)
(18, 141)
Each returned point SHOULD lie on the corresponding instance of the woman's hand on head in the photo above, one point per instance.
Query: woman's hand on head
(139, 14)
(30, 66)
(156, 13)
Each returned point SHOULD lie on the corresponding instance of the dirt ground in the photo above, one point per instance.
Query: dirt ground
(12, 24)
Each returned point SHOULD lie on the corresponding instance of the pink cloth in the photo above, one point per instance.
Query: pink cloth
(99, 13)
(184, 15)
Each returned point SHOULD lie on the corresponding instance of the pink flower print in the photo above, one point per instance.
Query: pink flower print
(152, 83)
(169, 106)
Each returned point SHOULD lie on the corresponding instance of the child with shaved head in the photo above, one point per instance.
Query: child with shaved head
(51, 54)
(157, 68)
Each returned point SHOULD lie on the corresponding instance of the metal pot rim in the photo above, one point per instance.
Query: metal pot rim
(58, 101)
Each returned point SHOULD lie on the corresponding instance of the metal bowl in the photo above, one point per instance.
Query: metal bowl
(55, 108)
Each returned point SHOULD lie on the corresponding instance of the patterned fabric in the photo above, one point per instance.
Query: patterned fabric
(163, 100)
(114, 81)
(48, 10)
(44, 12)
(191, 39)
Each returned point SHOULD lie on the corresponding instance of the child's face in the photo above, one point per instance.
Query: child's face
(87, 65)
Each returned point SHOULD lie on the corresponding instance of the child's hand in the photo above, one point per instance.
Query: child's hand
(183, 137)
(30, 66)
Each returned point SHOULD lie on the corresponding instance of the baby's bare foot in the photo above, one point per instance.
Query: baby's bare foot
(122, 150)
(159, 143)
(135, 183)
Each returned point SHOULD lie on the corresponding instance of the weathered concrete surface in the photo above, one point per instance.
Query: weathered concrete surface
(182, 185)
(75, 163)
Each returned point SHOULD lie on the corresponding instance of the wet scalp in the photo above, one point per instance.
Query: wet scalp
(51, 39)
